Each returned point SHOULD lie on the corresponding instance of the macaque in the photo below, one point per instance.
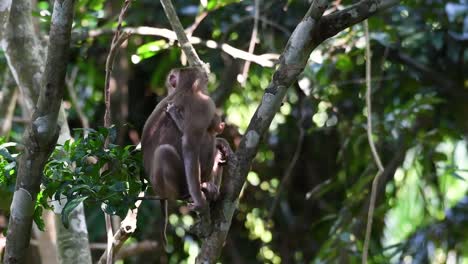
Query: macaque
(178, 141)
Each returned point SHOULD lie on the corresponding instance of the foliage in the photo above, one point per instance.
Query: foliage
(419, 113)
(7, 174)
(82, 170)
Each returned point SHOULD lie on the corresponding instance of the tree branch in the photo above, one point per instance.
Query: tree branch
(293, 60)
(265, 60)
(41, 135)
(117, 41)
(332, 24)
(185, 44)
(253, 40)
(307, 36)
(127, 228)
(25, 61)
(137, 248)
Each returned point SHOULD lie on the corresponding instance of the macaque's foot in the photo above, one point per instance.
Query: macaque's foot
(203, 227)
(199, 208)
(210, 190)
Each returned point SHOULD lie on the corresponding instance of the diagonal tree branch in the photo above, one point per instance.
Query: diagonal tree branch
(185, 44)
(309, 33)
(292, 62)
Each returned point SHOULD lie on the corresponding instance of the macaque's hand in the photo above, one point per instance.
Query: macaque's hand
(210, 190)
(222, 151)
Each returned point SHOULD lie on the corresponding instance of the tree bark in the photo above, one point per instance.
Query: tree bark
(24, 58)
(5, 6)
(20, 45)
(42, 133)
(309, 33)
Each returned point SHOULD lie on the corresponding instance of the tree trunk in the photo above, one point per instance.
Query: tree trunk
(26, 61)
(42, 133)
(309, 33)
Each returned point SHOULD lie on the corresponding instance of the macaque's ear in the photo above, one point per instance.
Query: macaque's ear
(173, 80)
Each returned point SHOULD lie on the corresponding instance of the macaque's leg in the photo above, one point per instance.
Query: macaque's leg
(168, 172)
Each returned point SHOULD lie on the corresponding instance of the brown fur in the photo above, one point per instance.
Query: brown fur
(169, 150)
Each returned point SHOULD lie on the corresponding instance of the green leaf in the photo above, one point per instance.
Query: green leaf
(38, 218)
(69, 207)
(78, 189)
(214, 4)
(151, 48)
(43, 5)
(344, 63)
(118, 187)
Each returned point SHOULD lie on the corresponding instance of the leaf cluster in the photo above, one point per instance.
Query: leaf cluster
(82, 169)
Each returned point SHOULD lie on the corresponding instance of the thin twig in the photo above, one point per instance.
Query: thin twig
(189, 31)
(127, 228)
(253, 40)
(184, 42)
(117, 41)
(375, 155)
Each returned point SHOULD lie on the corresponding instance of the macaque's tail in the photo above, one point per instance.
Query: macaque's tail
(165, 221)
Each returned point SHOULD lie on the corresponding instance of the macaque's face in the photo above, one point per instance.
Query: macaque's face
(185, 79)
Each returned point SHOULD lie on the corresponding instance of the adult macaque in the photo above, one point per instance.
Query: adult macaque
(178, 141)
